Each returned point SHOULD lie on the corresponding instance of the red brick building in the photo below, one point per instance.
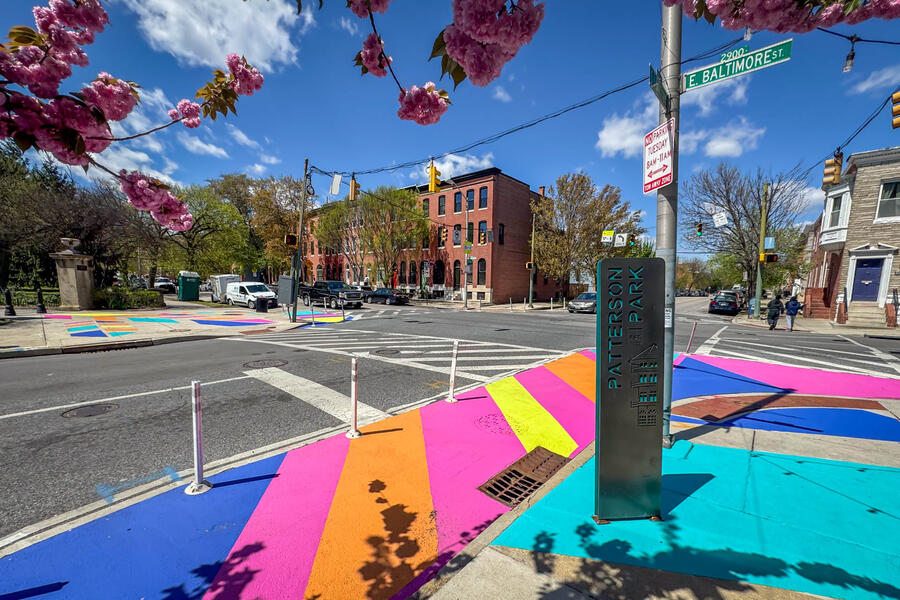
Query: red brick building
(499, 227)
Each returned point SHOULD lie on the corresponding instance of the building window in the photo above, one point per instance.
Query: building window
(482, 271)
(425, 206)
(481, 296)
(482, 197)
(412, 273)
(438, 275)
(470, 199)
(457, 234)
(303, 252)
(319, 248)
(319, 273)
(500, 234)
(440, 243)
(470, 231)
(889, 201)
(482, 228)
(834, 217)
(457, 202)
(456, 274)
(426, 241)
(545, 281)
(403, 272)
(442, 205)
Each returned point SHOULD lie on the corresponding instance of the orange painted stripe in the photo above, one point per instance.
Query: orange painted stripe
(380, 531)
(578, 371)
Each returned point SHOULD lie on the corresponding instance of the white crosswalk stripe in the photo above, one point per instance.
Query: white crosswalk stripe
(373, 313)
(478, 361)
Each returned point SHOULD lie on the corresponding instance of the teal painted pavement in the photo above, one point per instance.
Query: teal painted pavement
(807, 524)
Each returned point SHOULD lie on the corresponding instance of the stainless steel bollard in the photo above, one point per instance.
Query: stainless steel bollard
(452, 395)
(199, 485)
(354, 399)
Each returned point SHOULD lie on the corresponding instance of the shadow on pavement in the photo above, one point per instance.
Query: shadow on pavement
(230, 579)
(35, 591)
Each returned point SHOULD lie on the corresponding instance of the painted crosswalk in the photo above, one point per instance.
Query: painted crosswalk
(388, 312)
(477, 361)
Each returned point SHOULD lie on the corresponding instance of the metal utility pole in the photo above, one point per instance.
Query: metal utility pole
(298, 255)
(466, 259)
(762, 248)
(667, 197)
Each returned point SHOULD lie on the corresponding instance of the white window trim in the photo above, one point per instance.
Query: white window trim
(844, 216)
(878, 219)
(888, 255)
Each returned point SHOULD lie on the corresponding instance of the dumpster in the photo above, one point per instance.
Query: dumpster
(188, 286)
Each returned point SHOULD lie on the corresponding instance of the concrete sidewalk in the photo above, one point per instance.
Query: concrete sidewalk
(30, 334)
(783, 479)
(824, 326)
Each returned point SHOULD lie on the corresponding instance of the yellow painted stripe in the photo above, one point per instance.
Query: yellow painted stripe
(531, 422)
(578, 371)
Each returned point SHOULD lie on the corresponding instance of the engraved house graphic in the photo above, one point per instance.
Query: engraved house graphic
(645, 375)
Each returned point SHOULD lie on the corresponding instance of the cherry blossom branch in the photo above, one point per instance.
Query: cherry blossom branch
(384, 56)
(137, 135)
(94, 162)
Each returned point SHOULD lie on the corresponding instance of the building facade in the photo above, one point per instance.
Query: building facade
(488, 209)
(856, 269)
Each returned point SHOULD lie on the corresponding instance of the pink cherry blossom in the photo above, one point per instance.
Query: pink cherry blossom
(80, 14)
(371, 56)
(114, 97)
(173, 114)
(148, 194)
(246, 79)
(782, 16)
(481, 62)
(361, 8)
(190, 111)
(424, 105)
(62, 115)
(173, 214)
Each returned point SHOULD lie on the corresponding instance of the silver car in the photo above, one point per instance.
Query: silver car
(585, 302)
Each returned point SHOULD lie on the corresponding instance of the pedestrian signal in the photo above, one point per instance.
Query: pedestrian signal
(768, 257)
(290, 239)
(529, 265)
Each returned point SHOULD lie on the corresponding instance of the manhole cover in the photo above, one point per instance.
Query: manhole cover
(494, 423)
(386, 352)
(91, 410)
(519, 480)
(264, 364)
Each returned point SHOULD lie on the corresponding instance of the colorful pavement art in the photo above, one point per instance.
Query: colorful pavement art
(376, 517)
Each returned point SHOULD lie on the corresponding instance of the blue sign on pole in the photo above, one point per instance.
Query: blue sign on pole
(770, 243)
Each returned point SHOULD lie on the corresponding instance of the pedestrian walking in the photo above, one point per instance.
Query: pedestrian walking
(790, 311)
(775, 307)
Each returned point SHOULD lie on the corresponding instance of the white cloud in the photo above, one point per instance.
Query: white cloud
(731, 140)
(269, 160)
(812, 197)
(199, 32)
(888, 77)
(256, 169)
(625, 133)
(454, 164)
(198, 146)
(501, 94)
(642, 214)
(349, 26)
(119, 156)
(241, 138)
(733, 91)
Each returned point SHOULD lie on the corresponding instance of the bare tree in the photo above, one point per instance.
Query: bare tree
(739, 196)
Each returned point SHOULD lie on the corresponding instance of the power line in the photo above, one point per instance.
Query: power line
(857, 39)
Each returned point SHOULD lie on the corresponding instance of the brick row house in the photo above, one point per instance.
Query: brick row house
(854, 245)
(487, 208)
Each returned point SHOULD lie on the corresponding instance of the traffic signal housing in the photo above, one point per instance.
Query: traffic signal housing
(529, 265)
(290, 239)
(482, 237)
(833, 168)
(699, 229)
(434, 184)
(444, 234)
(895, 110)
(768, 257)
(354, 189)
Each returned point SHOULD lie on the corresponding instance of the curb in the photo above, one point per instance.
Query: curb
(103, 347)
(882, 337)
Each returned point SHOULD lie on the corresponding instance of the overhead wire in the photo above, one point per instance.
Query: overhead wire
(857, 39)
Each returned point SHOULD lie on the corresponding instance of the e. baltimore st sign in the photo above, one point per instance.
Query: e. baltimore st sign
(630, 301)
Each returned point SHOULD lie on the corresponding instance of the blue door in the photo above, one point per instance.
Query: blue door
(866, 279)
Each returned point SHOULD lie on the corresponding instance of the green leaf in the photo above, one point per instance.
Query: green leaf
(440, 47)
(22, 35)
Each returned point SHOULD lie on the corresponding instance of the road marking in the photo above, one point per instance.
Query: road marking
(707, 346)
(324, 398)
(884, 356)
(856, 370)
(775, 350)
(113, 398)
(481, 358)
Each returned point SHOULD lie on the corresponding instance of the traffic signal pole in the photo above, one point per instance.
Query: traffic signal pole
(298, 255)
(667, 198)
(762, 248)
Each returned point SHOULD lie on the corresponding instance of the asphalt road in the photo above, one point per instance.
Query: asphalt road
(55, 462)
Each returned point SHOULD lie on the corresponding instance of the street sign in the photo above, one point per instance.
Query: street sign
(658, 156)
(608, 235)
(468, 248)
(720, 219)
(335, 184)
(629, 380)
(739, 62)
(659, 88)
(621, 240)
(769, 244)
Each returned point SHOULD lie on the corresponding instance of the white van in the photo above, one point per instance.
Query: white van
(249, 293)
(219, 285)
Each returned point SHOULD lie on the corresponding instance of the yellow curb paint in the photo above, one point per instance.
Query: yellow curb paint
(578, 371)
(531, 422)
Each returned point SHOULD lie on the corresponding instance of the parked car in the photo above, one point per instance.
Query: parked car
(386, 296)
(584, 302)
(164, 284)
(726, 302)
(250, 293)
(334, 293)
(218, 285)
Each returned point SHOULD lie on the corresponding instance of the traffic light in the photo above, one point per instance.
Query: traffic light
(354, 188)
(529, 265)
(482, 237)
(768, 257)
(443, 234)
(895, 110)
(290, 239)
(833, 168)
(699, 229)
(434, 183)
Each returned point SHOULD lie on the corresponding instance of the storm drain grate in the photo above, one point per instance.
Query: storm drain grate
(91, 410)
(519, 480)
(265, 364)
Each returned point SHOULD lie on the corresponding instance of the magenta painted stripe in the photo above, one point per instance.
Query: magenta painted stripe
(679, 357)
(590, 354)
(809, 381)
(288, 521)
(570, 408)
(466, 443)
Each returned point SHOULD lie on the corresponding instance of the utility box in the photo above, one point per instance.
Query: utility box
(285, 290)
(188, 286)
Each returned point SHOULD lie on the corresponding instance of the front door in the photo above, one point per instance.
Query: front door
(866, 279)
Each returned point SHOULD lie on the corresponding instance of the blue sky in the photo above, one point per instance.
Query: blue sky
(315, 104)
